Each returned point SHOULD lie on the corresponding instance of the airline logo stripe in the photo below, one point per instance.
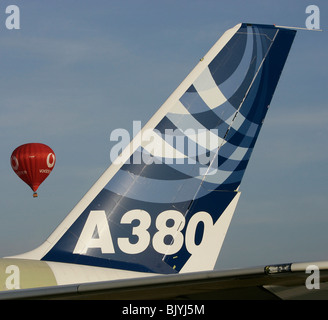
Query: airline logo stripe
(214, 120)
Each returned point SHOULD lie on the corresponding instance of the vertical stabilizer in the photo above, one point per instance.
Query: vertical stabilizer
(165, 204)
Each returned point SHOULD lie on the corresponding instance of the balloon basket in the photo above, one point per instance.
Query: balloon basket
(35, 195)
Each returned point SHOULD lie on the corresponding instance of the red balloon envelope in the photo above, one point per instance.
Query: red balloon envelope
(33, 162)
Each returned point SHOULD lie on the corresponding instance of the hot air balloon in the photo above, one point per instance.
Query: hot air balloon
(33, 162)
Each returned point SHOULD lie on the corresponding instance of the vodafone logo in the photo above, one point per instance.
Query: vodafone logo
(14, 163)
(51, 159)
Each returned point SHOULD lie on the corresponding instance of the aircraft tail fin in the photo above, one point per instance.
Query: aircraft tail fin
(166, 202)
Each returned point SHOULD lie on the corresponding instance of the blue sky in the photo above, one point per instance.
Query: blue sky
(77, 70)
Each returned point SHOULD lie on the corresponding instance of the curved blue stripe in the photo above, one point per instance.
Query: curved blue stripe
(233, 82)
(228, 59)
(193, 102)
(156, 191)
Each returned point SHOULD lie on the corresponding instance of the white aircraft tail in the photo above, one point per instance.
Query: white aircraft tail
(165, 204)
